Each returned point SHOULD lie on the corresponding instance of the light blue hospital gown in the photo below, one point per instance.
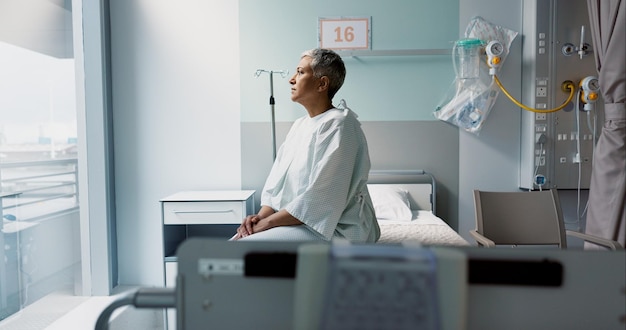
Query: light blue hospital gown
(320, 177)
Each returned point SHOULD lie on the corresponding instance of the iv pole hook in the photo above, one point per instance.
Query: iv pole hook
(283, 73)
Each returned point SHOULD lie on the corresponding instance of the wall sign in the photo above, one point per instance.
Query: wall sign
(345, 33)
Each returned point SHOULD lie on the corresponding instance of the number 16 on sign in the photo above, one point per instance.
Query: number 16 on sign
(345, 33)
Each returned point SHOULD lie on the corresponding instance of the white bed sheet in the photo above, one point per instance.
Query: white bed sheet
(425, 228)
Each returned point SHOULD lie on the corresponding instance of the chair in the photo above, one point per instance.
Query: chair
(524, 218)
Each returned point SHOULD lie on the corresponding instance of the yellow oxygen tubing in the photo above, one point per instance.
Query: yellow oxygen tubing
(568, 85)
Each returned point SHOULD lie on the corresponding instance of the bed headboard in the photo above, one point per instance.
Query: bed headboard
(421, 185)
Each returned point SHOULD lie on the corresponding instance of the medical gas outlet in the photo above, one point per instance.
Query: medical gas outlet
(494, 52)
(589, 95)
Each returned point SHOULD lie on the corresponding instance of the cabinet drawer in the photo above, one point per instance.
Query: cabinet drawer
(222, 212)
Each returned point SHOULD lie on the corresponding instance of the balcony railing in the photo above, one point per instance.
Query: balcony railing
(42, 188)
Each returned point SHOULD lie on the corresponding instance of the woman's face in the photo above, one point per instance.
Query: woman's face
(304, 85)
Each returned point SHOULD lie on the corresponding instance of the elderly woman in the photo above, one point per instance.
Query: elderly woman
(317, 188)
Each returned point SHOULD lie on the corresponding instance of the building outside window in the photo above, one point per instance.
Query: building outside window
(40, 232)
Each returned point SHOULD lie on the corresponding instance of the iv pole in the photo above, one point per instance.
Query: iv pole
(283, 73)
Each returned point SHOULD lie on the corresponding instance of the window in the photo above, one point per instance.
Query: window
(38, 154)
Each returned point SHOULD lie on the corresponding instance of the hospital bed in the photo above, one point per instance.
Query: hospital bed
(287, 285)
(405, 205)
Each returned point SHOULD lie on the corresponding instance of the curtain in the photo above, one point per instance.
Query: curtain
(606, 214)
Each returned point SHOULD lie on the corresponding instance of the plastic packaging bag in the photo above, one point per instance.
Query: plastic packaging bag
(467, 102)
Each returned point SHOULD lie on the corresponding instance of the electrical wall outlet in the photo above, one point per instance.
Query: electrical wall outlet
(540, 116)
(542, 92)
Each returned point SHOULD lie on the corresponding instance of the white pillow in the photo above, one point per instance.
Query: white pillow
(390, 202)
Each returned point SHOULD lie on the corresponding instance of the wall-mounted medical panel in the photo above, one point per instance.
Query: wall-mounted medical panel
(556, 147)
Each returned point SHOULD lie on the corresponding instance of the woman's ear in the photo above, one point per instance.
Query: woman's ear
(323, 84)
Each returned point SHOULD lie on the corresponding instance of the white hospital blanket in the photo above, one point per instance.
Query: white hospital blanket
(425, 228)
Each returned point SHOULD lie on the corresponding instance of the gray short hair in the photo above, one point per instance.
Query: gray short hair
(325, 62)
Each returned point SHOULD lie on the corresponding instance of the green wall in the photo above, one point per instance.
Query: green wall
(273, 34)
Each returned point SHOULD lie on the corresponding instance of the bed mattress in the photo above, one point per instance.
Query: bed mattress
(424, 228)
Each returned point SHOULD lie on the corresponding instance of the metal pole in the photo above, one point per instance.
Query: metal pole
(272, 103)
(283, 74)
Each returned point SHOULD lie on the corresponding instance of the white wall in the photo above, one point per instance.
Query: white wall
(175, 71)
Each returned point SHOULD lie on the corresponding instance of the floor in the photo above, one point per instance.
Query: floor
(63, 311)
(43, 313)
